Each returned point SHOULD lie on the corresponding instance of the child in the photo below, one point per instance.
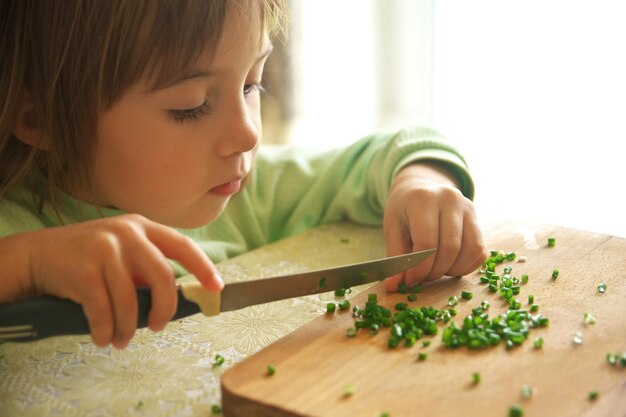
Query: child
(128, 156)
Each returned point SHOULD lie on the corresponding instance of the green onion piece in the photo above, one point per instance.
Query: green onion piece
(344, 305)
(349, 390)
(589, 319)
(602, 288)
(216, 409)
(422, 356)
(578, 338)
(271, 370)
(516, 411)
(476, 378)
(611, 359)
(538, 343)
(385, 414)
(219, 360)
(593, 395)
(555, 274)
(453, 300)
(401, 306)
(551, 241)
(322, 283)
(526, 392)
(525, 279)
(417, 288)
(534, 308)
(330, 308)
(531, 299)
(340, 292)
(466, 295)
(426, 343)
(403, 289)
(411, 297)
(351, 332)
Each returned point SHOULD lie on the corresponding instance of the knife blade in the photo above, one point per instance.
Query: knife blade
(46, 316)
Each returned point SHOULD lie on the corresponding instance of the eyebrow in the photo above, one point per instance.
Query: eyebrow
(196, 75)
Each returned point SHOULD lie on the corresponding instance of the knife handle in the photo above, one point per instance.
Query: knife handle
(46, 316)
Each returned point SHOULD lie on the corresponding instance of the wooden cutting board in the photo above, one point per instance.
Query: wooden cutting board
(316, 362)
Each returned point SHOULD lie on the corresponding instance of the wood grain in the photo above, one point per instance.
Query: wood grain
(316, 362)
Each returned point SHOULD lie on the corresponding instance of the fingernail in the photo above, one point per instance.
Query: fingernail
(220, 281)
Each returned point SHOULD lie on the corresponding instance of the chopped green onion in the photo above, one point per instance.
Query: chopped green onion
(551, 241)
(602, 288)
(330, 308)
(466, 295)
(271, 370)
(385, 414)
(525, 279)
(401, 306)
(422, 356)
(411, 297)
(216, 409)
(578, 338)
(322, 285)
(589, 319)
(426, 343)
(531, 299)
(453, 300)
(219, 360)
(516, 411)
(526, 392)
(340, 292)
(611, 359)
(534, 308)
(476, 378)
(538, 343)
(555, 274)
(593, 395)
(351, 332)
(403, 289)
(349, 390)
(344, 305)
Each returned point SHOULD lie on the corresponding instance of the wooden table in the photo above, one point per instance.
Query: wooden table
(315, 363)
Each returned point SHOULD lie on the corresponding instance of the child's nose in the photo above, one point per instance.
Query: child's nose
(241, 130)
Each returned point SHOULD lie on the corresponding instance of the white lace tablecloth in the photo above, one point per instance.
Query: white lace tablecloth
(172, 373)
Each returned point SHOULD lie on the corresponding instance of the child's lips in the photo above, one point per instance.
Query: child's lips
(228, 188)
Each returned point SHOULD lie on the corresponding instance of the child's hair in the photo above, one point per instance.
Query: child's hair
(75, 58)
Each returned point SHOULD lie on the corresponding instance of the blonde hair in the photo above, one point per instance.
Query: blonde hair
(77, 57)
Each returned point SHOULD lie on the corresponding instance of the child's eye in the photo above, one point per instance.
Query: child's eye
(190, 114)
(251, 88)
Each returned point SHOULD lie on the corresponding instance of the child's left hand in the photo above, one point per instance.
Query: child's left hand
(426, 210)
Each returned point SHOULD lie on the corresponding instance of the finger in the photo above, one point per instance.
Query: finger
(424, 229)
(449, 245)
(148, 262)
(124, 301)
(397, 244)
(96, 303)
(474, 252)
(175, 245)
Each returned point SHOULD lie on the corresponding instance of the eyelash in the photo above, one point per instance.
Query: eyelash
(195, 113)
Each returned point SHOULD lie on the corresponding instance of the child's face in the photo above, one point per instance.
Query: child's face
(177, 154)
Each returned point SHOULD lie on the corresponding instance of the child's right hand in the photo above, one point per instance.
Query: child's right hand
(97, 265)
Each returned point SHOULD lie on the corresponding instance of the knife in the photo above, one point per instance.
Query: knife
(45, 316)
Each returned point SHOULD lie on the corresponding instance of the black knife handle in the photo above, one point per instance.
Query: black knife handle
(45, 316)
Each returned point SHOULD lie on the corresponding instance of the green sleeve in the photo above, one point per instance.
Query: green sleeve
(294, 189)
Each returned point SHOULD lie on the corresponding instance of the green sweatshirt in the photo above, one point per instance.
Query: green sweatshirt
(292, 189)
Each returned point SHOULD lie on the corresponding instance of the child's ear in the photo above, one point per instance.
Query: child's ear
(26, 127)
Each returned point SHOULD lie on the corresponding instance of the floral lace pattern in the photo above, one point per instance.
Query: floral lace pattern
(172, 372)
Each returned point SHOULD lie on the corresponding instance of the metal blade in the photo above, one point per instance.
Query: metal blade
(247, 293)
